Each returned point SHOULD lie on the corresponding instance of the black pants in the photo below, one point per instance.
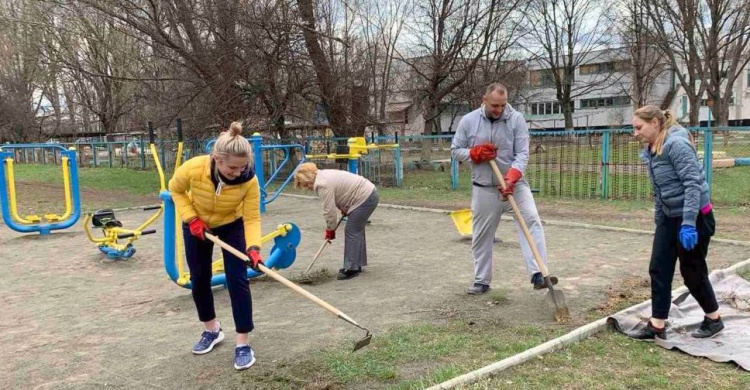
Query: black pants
(199, 253)
(666, 250)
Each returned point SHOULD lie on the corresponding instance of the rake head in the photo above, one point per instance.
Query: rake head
(365, 341)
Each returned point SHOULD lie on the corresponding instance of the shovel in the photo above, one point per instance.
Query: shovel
(273, 274)
(555, 297)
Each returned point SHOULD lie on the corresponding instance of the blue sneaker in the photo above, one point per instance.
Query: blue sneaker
(207, 341)
(244, 357)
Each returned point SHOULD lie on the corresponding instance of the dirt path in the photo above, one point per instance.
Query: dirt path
(71, 320)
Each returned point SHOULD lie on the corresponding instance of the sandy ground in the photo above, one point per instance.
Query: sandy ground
(73, 320)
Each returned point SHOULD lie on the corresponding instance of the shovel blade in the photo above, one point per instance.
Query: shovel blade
(556, 299)
(363, 343)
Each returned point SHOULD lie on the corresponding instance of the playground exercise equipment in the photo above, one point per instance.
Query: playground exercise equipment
(45, 223)
(355, 148)
(286, 237)
(112, 229)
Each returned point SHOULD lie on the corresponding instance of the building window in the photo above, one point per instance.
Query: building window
(614, 101)
(544, 78)
(548, 108)
(604, 67)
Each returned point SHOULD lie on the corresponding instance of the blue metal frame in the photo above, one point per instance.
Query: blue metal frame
(42, 228)
(281, 256)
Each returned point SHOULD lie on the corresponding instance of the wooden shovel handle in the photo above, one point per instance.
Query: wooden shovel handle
(521, 221)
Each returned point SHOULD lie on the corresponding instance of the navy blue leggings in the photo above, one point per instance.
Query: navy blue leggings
(199, 258)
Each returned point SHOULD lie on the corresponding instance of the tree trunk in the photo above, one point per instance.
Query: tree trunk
(359, 109)
(330, 95)
(695, 105)
(568, 114)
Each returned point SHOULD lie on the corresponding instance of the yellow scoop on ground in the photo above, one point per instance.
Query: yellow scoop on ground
(463, 220)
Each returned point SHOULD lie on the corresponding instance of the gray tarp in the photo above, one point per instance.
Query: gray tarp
(685, 316)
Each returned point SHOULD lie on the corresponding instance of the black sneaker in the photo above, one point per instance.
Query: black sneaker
(650, 332)
(709, 328)
(539, 283)
(345, 274)
(477, 289)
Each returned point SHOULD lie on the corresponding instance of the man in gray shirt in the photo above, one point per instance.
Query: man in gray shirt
(497, 131)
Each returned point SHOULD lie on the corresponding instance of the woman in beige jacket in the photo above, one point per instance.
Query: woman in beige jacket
(355, 196)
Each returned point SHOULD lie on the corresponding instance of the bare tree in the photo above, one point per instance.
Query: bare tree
(448, 38)
(24, 79)
(102, 63)
(710, 41)
(339, 59)
(381, 27)
(563, 35)
(727, 43)
(201, 37)
(648, 63)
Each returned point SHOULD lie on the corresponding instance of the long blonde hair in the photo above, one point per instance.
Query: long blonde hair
(232, 143)
(306, 173)
(666, 120)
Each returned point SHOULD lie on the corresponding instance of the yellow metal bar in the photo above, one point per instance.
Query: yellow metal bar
(86, 229)
(280, 231)
(66, 184)
(150, 220)
(158, 167)
(333, 155)
(12, 192)
(178, 158)
(184, 275)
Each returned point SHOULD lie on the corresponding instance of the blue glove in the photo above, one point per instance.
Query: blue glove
(688, 237)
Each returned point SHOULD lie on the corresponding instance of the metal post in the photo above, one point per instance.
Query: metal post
(708, 146)
(605, 164)
(143, 154)
(454, 173)
(109, 154)
(353, 165)
(258, 155)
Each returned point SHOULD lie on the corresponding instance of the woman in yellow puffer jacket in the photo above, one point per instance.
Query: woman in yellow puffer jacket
(219, 193)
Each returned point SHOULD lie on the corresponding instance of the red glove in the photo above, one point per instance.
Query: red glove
(483, 152)
(330, 235)
(197, 227)
(511, 178)
(254, 254)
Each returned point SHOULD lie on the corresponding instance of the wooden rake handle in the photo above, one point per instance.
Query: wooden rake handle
(325, 243)
(275, 275)
(521, 221)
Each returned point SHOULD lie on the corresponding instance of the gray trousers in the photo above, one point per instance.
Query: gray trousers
(355, 244)
(487, 206)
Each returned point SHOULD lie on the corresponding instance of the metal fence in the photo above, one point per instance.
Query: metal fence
(601, 164)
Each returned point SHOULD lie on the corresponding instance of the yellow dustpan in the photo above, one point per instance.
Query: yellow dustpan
(462, 219)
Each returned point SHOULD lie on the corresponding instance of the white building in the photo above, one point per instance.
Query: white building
(601, 98)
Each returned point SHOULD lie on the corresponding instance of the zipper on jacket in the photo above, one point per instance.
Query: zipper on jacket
(653, 177)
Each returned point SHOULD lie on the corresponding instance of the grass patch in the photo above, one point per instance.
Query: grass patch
(731, 186)
(132, 181)
(411, 357)
(497, 297)
(613, 361)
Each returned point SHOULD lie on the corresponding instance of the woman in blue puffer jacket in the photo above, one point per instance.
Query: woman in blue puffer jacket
(684, 220)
